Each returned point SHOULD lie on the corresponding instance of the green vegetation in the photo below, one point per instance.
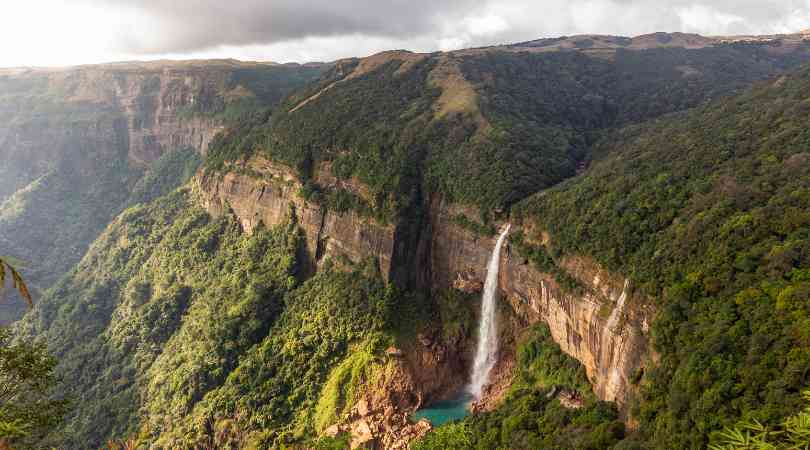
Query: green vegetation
(167, 173)
(247, 90)
(540, 258)
(28, 409)
(532, 416)
(338, 392)
(541, 364)
(793, 433)
(471, 225)
(528, 123)
(140, 323)
(455, 314)
(303, 372)
(371, 129)
(183, 318)
(453, 436)
(707, 212)
(71, 209)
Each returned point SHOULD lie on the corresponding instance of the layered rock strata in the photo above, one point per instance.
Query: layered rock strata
(603, 326)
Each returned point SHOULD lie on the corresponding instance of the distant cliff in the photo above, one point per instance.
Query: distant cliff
(75, 143)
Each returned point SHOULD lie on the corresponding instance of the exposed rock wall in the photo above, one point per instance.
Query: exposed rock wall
(380, 417)
(603, 326)
(268, 198)
(74, 142)
(76, 115)
(158, 106)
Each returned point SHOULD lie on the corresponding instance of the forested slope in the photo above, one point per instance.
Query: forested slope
(75, 143)
(707, 213)
(485, 128)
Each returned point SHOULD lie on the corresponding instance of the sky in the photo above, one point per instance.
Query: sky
(72, 32)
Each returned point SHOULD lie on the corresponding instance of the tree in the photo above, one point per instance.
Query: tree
(16, 280)
(27, 408)
(794, 434)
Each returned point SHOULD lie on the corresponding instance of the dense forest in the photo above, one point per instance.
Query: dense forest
(514, 123)
(707, 212)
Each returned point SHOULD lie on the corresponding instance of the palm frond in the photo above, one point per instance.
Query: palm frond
(17, 281)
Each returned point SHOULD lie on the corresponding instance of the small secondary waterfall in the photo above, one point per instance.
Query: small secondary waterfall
(486, 353)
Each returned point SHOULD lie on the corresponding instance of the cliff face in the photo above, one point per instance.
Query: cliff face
(380, 417)
(603, 326)
(268, 195)
(156, 109)
(83, 114)
(74, 142)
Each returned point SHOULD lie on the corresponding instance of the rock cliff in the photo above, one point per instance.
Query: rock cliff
(266, 192)
(139, 109)
(380, 417)
(75, 141)
(602, 324)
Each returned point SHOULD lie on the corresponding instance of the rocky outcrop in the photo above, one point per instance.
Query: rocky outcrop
(604, 326)
(138, 111)
(267, 193)
(159, 109)
(380, 415)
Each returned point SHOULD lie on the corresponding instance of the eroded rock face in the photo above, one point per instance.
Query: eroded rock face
(110, 111)
(74, 142)
(602, 326)
(270, 198)
(380, 416)
(157, 108)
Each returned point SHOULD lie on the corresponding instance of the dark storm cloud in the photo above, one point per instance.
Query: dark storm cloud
(177, 26)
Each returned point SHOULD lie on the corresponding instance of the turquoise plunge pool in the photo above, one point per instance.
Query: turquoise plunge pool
(445, 411)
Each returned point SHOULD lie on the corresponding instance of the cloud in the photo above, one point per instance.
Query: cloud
(83, 31)
(172, 26)
(160, 26)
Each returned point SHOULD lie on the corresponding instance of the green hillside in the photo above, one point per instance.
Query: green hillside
(707, 213)
(66, 145)
(485, 128)
(163, 314)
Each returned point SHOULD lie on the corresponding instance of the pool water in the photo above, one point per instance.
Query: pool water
(445, 411)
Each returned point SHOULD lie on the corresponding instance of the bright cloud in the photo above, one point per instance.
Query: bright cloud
(65, 32)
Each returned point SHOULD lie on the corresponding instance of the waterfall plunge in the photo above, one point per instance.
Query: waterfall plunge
(486, 353)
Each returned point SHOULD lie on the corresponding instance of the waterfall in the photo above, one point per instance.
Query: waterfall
(486, 353)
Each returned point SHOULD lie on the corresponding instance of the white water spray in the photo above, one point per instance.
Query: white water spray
(486, 353)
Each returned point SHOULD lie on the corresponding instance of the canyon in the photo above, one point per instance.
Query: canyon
(408, 163)
(605, 326)
(76, 142)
